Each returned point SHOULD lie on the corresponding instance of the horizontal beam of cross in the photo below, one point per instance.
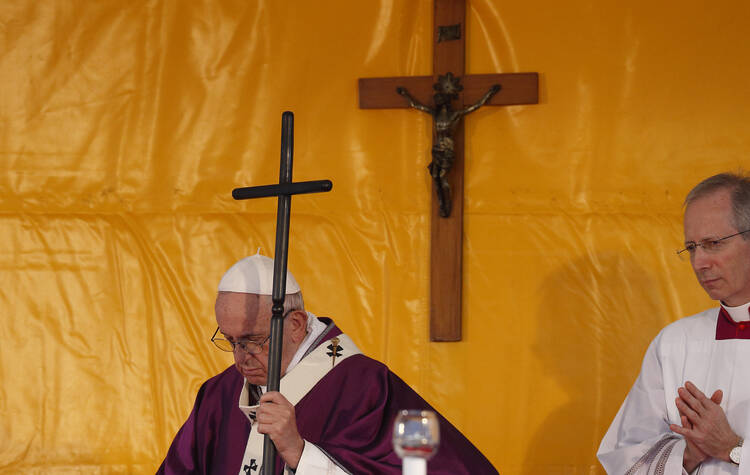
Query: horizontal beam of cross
(515, 88)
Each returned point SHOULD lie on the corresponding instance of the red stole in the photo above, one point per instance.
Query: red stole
(728, 329)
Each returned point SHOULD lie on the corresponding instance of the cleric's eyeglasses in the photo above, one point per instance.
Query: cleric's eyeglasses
(248, 346)
(708, 245)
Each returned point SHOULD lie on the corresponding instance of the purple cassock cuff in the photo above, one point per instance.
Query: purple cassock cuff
(728, 329)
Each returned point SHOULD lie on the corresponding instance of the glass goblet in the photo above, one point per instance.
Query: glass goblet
(416, 437)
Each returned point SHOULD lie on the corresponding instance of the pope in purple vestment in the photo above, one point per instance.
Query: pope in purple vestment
(346, 416)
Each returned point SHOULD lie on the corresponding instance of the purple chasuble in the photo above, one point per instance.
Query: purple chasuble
(728, 329)
(349, 414)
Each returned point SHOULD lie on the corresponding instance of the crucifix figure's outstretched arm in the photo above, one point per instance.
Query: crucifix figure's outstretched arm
(413, 102)
(486, 97)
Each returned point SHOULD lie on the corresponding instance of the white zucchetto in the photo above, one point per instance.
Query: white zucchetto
(254, 275)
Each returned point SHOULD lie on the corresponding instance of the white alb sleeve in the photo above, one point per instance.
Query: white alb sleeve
(315, 462)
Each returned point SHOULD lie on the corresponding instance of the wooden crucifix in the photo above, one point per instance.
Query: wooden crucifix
(449, 34)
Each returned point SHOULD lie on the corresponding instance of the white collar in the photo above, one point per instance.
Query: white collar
(314, 329)
(738, 314)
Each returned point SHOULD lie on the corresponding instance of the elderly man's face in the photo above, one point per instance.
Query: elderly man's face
(725, 272)
(248, 317)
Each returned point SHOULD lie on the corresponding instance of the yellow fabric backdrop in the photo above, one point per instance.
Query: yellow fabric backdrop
(125, 124)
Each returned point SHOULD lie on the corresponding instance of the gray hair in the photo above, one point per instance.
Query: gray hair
(738, 185)
(291, 302)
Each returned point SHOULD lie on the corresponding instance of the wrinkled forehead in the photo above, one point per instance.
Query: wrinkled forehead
(240, 313)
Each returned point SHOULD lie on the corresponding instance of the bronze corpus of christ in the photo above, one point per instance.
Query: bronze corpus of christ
(444, 122)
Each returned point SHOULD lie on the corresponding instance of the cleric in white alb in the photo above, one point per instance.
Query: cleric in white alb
(689, 409)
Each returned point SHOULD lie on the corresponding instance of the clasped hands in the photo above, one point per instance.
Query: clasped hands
(704, 426)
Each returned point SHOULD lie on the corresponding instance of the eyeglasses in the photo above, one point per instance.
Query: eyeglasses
(248, 346)
(708, 245)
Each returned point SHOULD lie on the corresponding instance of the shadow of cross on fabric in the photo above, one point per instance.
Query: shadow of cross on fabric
(446, 247)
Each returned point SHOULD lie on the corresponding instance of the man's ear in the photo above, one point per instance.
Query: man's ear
(297, 323)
